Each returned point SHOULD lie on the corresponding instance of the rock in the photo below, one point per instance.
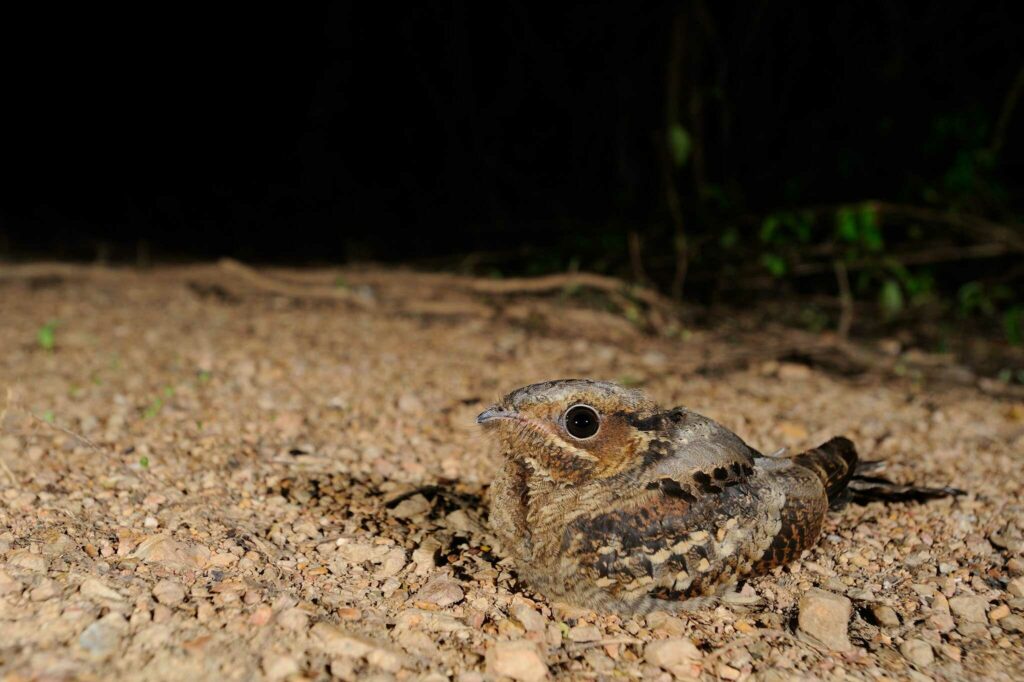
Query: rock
(423, 556)
(390, 559)
(169, 592)
(918, 652)
(999, 612)
(669, 624)
(103, 638)
(279, 666)
(46, 589)
(1016, 587)
(8, 584)
(26, 561)
(970, 609)
(584, 633)
(727, 672)
(335, 642)
(1014, 624)
(431, 621)
(672, 653)
(94, 589)
(885, 615)
(416, 505)
(163, 549)
(824, 618)
(441, 591)
(386, 660)
(519, 659)
(293, 619)
(528, 616)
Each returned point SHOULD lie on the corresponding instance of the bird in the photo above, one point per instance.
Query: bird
(607, 501)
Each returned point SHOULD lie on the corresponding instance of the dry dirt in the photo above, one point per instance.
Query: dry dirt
(199, 484)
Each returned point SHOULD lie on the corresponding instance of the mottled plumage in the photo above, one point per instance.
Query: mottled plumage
(655, 507)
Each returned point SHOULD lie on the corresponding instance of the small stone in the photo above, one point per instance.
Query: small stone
(92, 588)
(164, 549)
(279, 666)
(670, 625)
(169, 592)
(261, 616)
(918, 652)
(335, 642)
(343, 669)
(103, 637)
(584, 633)
(885, 615)
(727, 672)
(416, 505)
(423, 556)
(519, 659)
(970, 609)
(349, 613)
(999, 612)
(441, 591)
(8, 584)
(26, 561)
(673, 652)
(293, 619)
(1016, 587)
(528, 616)
(385, 659)
(47, 589)
(824, 618)
(1014, 624)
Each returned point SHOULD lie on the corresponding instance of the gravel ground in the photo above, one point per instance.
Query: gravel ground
(200, 486)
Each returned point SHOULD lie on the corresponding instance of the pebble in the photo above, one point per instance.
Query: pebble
(46, 589)
(164, 549)
(1016, 586)
(674, 652)
(518, 659)
(94, 589)
(103, 637)
(584, 633)
(918, 652)
(999, 612)
(885, 615)
(1014, 624)
(279, 666)
(528, 616)
(293, 619)
(169, 592)
(8, 584)
(824, 618)
(26, 561)
(970, 609)
(441, 591)
(335, 642)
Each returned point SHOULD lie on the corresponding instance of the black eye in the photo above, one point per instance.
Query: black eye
(582, 421)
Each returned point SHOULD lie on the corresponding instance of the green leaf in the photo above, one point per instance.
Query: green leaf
(890, 298)
(679, 143)
(846, 225)
(769, 226)
(730, 238)
(1013, 325)
(47, 335)
(774, 263)
(144, 462)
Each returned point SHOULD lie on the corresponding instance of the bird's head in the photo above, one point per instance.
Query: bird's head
(573, 430)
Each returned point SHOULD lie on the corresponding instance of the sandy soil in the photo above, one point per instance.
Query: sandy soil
(196, 485)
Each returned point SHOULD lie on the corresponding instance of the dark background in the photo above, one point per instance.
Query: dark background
(729, 142)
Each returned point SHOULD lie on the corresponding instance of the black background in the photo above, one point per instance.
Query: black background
(336, 132)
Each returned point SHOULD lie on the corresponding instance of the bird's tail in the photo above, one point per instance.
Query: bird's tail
(849, 479)
(835, 462)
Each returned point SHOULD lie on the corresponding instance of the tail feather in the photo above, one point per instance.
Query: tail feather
(849, 479)
(835, 463)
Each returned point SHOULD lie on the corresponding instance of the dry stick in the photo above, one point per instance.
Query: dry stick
(1009, 104)
(845, 298)
(273, 286)
(3, 413)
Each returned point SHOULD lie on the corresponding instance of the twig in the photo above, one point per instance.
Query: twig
(636, 257)
(69, 432)
(602, 642)
(273, 286)
(845, 299)
(1009, 104)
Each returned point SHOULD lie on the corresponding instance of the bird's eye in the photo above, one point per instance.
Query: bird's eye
(582, 421)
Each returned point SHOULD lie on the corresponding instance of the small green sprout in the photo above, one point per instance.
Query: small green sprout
(47, 335)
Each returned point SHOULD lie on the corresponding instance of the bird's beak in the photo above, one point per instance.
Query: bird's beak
(495, 412)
